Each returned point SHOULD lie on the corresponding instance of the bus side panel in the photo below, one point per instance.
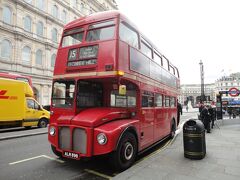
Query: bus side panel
(123, 61)
(106, 51)
(159, 126)
(113, 130)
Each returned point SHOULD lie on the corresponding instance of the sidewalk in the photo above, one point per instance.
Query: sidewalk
(21, 132)
(221, 162)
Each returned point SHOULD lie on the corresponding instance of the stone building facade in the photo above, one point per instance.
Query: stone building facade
(225, 83)
(192, 92)
(30, 31)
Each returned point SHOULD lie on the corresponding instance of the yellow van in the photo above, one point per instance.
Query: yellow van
(18, 107)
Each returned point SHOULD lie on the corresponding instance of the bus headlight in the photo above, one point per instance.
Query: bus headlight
(52, 131)
(102, 138)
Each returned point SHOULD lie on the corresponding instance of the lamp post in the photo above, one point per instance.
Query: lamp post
(202, 81)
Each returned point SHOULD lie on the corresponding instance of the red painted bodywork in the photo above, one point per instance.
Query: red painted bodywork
(150, 124)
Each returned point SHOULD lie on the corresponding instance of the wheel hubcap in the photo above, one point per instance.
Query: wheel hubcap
(43, 124)
(128, 152)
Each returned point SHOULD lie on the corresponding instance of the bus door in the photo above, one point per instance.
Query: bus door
(159, 125)
(166, 115)
(147, 119)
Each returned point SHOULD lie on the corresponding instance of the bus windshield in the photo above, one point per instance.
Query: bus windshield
(63, 94)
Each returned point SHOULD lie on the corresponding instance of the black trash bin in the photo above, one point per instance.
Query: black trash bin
(194, 139)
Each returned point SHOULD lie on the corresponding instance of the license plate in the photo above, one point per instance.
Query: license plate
(71, 155)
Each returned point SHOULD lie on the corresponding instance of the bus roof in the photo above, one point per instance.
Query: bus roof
(92, 18)
(105, 15)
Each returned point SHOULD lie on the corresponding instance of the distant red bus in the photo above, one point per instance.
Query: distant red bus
(16, 77)
(113, 91)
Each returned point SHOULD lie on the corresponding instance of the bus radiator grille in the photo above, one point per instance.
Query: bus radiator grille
(80, 140)
(64, 139)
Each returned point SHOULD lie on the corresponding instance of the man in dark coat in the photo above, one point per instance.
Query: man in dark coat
(179, 111)
(206, 118)
(211, 113)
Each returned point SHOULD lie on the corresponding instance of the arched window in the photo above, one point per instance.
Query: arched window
(40, 28)
(26, 55)
(28, 1)
(81, 7)
(7, 15)
(28, 24)
(74, 3)
(6, 49)
(53, 59)
(64, 16)
(55, 11)
(39, 57)
(40, 4)
(54, 34)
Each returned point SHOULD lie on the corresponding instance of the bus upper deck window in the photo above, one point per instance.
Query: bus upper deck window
(128, 35)
(72, 37)
(101, 31)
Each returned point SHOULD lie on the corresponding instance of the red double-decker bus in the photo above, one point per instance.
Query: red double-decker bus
(16, 77)
(113, 91)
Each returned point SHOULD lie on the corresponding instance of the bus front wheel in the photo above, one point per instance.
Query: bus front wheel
(126, 152)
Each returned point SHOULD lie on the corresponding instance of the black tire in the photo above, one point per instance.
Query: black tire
(42, 123)
(57, 153)
(173, 129)
(28, 127)
(126, 152)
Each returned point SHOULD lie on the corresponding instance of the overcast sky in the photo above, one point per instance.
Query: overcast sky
(187, 31)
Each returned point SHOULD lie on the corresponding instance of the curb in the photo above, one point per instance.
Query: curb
(21, 135)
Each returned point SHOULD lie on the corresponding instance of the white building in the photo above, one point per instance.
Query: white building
(192, 92)
(225, 83)
(30, 31)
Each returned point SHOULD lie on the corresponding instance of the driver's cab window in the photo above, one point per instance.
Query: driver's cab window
(31, 104)
(63, 93)
(89, 94)
(127, 100)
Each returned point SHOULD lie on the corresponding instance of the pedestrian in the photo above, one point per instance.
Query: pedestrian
(212, 114)
(187, 108)
(179, 111)
(230, 113)
(206, 118)
(234, 113)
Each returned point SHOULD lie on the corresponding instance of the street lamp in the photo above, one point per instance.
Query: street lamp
(202, 81)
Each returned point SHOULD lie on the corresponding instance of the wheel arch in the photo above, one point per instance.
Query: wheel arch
(130, 129)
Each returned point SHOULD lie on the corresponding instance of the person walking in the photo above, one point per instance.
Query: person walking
(206, 118)
(230, 112)
(179, 112)
(212, 114)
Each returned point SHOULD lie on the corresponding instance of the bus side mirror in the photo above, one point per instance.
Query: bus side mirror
(122, 90)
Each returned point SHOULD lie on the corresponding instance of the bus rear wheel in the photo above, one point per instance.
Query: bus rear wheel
(126, 152)
(173, 129)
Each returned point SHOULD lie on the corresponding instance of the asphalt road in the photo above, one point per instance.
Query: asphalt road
(31, 158)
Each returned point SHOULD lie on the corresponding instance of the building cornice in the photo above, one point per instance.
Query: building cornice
(28, 35)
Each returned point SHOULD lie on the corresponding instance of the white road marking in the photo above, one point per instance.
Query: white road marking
(36, 157)
(54, 159)
(97, 173)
